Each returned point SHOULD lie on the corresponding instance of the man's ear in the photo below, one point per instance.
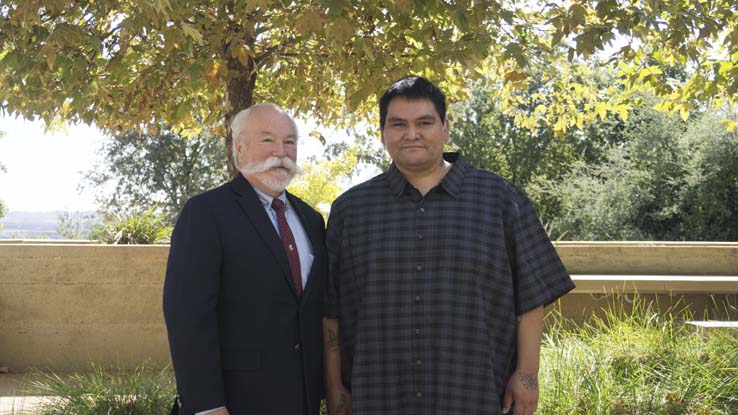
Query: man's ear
(240, 148)
(446, 128)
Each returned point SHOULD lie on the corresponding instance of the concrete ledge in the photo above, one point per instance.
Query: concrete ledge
(64, 305)
(649, 258)
(656, 284)
(47, 242)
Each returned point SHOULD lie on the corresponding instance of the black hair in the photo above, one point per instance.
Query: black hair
(412, 87)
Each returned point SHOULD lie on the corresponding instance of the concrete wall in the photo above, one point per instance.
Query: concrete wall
(63, 306)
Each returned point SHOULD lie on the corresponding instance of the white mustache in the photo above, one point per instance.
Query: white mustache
(253, 168)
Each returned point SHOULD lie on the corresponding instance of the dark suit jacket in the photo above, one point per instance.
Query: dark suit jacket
(238, 334)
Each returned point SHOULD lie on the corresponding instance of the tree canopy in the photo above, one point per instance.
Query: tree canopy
(133, 63)
(141, 63)
(493, 140)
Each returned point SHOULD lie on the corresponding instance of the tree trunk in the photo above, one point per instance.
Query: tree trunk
(239, 96)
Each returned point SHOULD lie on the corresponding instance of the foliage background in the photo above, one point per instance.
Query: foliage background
(160, 170)
(645, 176)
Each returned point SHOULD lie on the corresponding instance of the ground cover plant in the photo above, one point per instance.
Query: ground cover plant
(639, 362)
(103, 391)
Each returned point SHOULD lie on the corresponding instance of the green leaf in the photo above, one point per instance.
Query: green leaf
(195, 70)
(578, 14)
(191, 32)
(515, 51)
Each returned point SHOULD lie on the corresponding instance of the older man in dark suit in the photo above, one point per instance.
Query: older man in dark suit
(242, 296)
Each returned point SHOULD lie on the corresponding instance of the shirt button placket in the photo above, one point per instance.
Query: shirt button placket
(420, 230)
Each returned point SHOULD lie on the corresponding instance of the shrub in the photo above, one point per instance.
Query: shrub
(136, 227)
(105, 392)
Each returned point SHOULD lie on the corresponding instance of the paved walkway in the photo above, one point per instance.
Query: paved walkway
(12, 402)
(19, 405)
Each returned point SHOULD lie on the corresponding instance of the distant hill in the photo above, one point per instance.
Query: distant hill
(31, 225)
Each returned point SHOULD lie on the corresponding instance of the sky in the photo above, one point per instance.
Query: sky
(44, 168)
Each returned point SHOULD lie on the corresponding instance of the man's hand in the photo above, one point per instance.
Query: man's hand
(338, 401)
(523, 389)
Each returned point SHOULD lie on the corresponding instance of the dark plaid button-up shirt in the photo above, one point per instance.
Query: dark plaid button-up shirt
(427, 289)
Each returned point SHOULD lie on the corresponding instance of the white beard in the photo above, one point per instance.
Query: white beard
(285, 175)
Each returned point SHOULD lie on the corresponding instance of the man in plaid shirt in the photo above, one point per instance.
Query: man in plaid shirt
(439, 273)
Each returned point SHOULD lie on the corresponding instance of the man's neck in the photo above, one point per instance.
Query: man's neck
(425, 180)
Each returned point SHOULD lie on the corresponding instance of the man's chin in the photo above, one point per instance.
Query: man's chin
(276, 183)
(279, 175)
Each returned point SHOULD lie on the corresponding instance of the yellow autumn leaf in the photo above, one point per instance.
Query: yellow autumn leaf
(580, 121)
(403, 5)
(622, 111)
(730, 125)
(310, 22)
(514, 76)
(213, 70)
(560, 125)
(239, 52)
(601, 110)
(50, 54)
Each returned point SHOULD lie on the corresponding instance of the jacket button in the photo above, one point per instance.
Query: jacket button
(297, 346)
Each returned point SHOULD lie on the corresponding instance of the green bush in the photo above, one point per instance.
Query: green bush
(135, 227)
(669, 180)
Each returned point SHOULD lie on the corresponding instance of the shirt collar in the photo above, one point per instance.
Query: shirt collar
(451, 182)
(266, 199)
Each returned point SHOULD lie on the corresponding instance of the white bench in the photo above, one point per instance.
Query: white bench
(714, 324)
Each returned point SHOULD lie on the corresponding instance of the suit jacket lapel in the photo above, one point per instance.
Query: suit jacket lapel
(252, 206)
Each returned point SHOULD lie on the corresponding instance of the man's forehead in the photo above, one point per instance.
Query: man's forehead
(270, 121)
(411, 108)
(274, 131)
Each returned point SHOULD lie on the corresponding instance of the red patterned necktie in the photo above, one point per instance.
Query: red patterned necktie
(288, 241)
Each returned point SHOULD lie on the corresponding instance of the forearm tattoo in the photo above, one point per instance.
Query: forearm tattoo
(332, 339)
(529, 380)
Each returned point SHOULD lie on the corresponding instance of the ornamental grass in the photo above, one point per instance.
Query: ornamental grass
(636, 363)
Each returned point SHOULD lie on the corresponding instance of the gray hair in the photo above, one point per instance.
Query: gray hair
(238, 124)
